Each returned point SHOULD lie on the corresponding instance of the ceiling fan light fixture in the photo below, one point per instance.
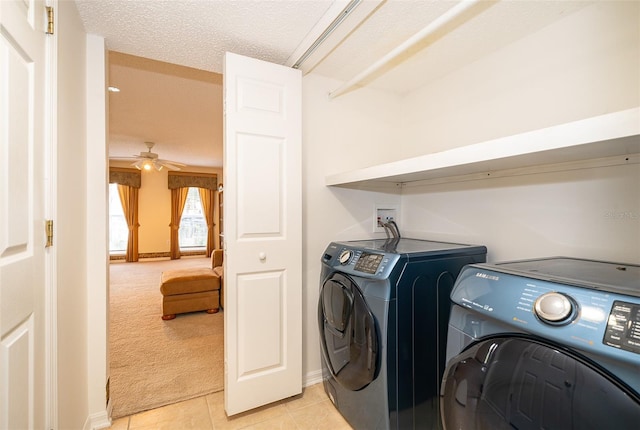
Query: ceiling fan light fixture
(144, 165)
(152, 164)
(149, 161)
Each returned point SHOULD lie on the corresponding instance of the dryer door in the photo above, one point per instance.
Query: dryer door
(348, 334)
(523, 383)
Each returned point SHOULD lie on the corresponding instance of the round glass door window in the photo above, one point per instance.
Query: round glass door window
(348, 335)
(520, 383)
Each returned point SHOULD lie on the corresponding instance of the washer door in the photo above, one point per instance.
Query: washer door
(521, 383)
(348, 334)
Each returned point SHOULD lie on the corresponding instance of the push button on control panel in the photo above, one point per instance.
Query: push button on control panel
(553, 308)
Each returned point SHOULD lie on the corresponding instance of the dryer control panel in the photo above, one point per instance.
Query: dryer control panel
(368, 262)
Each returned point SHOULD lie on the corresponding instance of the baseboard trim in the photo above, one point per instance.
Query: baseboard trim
(158, 255)
(312, 378)
(99, 420)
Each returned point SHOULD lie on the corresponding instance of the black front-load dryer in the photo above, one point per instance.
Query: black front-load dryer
(350, 344)
(382, 315)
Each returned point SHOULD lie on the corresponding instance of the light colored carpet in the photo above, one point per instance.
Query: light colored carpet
(154, 362)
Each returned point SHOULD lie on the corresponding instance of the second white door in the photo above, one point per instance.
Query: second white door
(263, 233)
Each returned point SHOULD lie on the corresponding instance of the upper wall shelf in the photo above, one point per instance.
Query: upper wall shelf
(609, 135)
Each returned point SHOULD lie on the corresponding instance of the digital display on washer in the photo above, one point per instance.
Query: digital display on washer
(623, 327)
(368, 263)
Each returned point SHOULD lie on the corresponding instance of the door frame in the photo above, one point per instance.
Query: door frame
(50, 213)
(97, 245)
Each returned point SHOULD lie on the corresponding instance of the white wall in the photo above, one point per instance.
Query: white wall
(81, 220)
(587, 213)
(356, 130)
(71, 221)
(337, 134)
(584, 65)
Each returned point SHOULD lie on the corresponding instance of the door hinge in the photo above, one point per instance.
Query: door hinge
(49, 231)
(49, 19)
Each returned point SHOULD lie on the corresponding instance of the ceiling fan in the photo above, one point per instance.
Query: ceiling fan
(148, 160)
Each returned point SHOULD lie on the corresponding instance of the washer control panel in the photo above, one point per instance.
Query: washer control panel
(583, 318)
(623, 327)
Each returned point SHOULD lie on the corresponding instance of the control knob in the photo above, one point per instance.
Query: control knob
(553, 307)
(345, 256)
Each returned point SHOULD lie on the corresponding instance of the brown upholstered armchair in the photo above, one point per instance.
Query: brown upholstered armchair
(216, 262)
(193, 289)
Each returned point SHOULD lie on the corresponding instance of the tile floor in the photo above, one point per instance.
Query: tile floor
(311, 410)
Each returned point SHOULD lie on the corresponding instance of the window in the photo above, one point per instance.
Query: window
(193, 225)
(118, 230)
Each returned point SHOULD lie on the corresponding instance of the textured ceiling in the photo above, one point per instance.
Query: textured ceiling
(197, 33)
(180, 108)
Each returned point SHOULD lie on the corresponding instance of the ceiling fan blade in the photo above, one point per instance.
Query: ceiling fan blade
(175, 163)
(170, 166)
(122, 158)
(138, 164)
(156, 165)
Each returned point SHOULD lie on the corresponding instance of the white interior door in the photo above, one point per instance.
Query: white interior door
(22, 238)
(262, 234)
